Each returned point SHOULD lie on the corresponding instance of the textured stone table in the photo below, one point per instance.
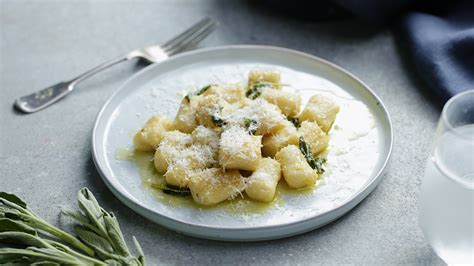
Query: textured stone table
(46, 157)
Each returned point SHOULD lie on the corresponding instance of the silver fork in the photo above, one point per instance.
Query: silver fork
(153, 54)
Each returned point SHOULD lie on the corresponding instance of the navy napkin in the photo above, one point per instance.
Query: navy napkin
(442, 47)
(439, 34)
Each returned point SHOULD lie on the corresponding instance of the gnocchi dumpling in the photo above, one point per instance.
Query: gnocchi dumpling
(210, 111)
(274, 142)
(239, 150)
(269, 76)
(206, 136)
(261, 185)
(322, 110)
(185, 120)
(170, 147)
(179, 173)
(289, 103)
(148, 138)
(268, 116)
(231, 93)
(187, 160)
(296, 170)
(211, 186)
(317, 139)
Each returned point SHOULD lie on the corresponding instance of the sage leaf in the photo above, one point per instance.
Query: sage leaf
(113, 263)
(55, 255)
(6, 212)
(27, 256)
(89, 205)
(12, 225)
(141, 255)
(256, 89)
(22, 239)
(317, 163)
(204, 89)
(80, 218)
(113, 229)
(93, 240)
(295, 120)
(13, 198)
(45, 263)
(75, 215)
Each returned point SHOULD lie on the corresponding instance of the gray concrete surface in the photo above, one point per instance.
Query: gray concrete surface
(46, 157)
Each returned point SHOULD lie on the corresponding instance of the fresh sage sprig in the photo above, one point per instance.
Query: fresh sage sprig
(100, 240)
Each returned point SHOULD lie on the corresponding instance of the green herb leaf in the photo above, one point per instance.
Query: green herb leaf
(141, 255)
(219, 122)
(113, 263)
(22, 239)
(199, 92)
(30, 255)
(255, 90)
(93, 240)
(113, 229)
(251, 125)
(12, 225)
(216, 117)
(204, 89)
(295, 120)
(319, 162)
(89, 205)
(316, 164)
(45, 263)
(173, 190)
(187, 98)
(6, 212)
(13, 198)
(75, 215)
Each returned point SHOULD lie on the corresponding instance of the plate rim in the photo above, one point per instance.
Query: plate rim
(350, 203)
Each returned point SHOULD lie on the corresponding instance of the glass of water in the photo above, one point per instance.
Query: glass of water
(446, 208)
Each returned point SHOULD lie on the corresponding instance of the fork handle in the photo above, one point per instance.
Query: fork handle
(45, 97)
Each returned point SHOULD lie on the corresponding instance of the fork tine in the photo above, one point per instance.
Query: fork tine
(192, 40)
(201, 24)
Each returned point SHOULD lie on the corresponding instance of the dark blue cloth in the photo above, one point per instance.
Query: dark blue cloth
(439, 35)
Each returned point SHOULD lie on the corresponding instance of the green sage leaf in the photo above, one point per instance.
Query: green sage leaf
(317, 163)
(7, 225)
(13, 198)
(45, 263)
(89, 204)
(204, 89)
(141, 254)
(76, 216)
(113, 229)
(93, 240)
(23, 239)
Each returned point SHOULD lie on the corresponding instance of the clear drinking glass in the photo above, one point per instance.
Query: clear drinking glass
(446, 209)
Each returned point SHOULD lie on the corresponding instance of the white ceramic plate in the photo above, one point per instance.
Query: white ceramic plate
(361, 141)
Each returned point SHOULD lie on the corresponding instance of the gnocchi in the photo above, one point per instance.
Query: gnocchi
(314, 136)
(262, 183)
(322, 110)
(213, 185)
(289, 103)
(230, 140)
(295, 168)
(274, 142)
(149, 137)
(239, 150)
